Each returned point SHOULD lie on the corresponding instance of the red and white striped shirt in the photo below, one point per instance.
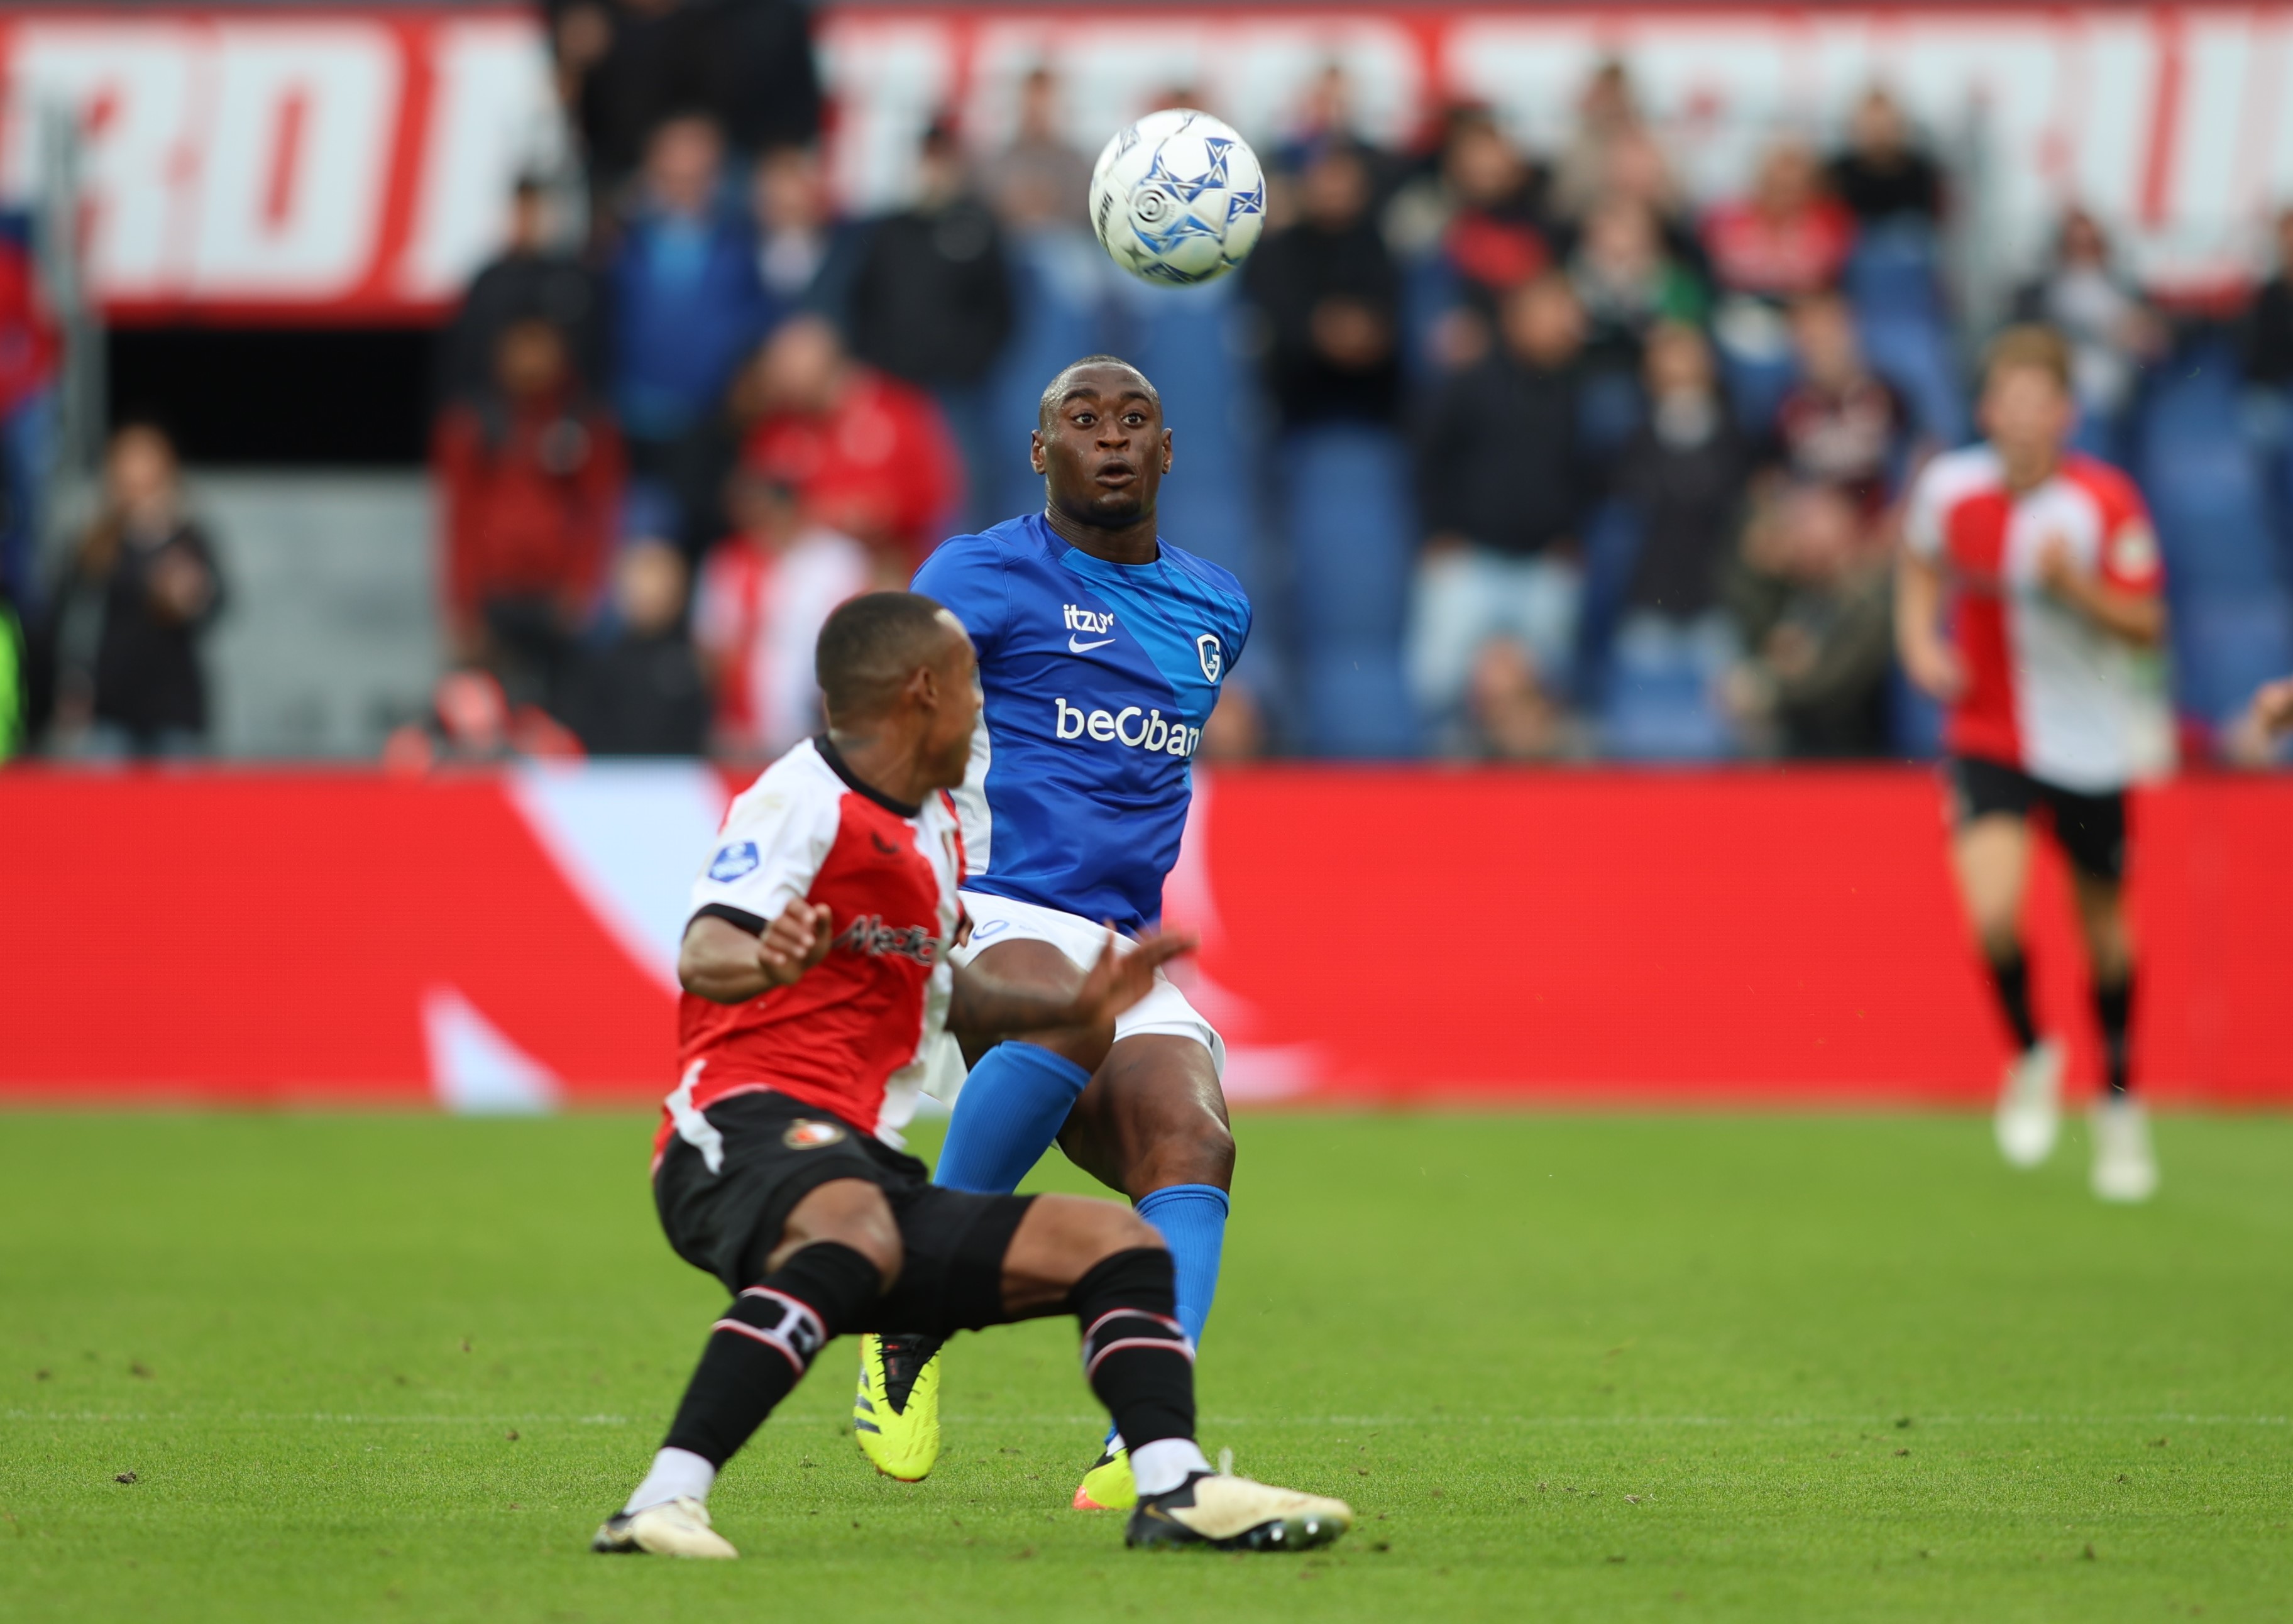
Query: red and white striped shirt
(852, 1035)
(2047, 691)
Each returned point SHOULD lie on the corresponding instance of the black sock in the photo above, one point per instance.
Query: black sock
(1135, 1353)
(761, 1348)
(2113, 1007)
(2010, 977)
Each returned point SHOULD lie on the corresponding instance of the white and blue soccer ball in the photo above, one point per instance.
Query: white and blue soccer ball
(1178, 197)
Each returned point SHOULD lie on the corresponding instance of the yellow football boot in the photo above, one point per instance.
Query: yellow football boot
(1108, 1485)
(896, 1416)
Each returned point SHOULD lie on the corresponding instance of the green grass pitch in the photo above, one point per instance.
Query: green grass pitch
(396, 1368)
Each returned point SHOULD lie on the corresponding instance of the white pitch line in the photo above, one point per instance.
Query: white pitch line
(1881, 1422)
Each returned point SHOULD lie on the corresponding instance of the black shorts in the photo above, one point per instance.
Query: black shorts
(2090, 829)
(776, 1151)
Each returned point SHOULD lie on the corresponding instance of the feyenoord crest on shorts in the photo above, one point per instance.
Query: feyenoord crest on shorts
(805, 1134)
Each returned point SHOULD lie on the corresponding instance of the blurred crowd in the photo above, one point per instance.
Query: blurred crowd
(1523, 454)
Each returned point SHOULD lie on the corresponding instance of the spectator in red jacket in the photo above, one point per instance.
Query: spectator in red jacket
(530, 484)
(871, 455)
(1789, 238)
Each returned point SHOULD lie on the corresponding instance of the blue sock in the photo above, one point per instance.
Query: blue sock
(1010, 1111)
(1192, 1221)
(1192, 1218)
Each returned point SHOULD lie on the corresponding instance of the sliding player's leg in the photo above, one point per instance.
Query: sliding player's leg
(1154, 1125)
(838, 1251)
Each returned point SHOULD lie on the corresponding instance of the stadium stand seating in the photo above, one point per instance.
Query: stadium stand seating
(1059, 306)
(2233, 613)
(1660, 700)
(1893, 280)
(1348, 529)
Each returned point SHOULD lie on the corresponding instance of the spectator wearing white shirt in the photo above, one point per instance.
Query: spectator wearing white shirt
(765, 594)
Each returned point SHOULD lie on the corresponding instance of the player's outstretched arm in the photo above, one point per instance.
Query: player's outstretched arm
(725, 964)
(985, 1006)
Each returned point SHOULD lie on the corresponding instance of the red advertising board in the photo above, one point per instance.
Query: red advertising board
(335, 163)
(1372, 935)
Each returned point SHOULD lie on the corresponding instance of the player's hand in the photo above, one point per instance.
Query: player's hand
(1119, 980)
(1934, 668)
(2273, 707)
(2058, 570)
(795, 942)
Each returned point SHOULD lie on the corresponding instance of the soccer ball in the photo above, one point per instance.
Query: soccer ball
(1178, 197)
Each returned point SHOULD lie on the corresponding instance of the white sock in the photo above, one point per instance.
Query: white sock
(674, 1472)
(1161, 1466)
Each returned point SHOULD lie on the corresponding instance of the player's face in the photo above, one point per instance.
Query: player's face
(1106, 451)
(947, 742)
(2026, 412)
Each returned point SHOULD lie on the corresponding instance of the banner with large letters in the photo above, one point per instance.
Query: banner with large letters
(335, 163)
(507, 942)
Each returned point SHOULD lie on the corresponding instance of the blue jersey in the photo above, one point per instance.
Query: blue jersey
(1098, 678)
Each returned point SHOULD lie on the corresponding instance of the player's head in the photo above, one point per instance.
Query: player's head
(896, 664)
(2027, 408)
(1099, 442)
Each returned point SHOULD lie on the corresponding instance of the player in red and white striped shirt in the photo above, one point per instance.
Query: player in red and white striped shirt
(2048, 567)
(816, 976)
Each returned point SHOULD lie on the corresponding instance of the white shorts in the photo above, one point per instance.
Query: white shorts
(1164, 1010)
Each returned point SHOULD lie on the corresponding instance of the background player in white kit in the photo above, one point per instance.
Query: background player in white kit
(2050, 570)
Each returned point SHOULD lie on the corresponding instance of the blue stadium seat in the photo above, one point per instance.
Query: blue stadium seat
(1755, 385)
(1611, 410)
(1662, 701)
(2233, 615)
(2225, 647)
(1059, 287)
(1192, 342)
(1915, 353)
(1612, 545)
(1914, 720)
(1348, 524)
(1430, 289)
(1893, 273)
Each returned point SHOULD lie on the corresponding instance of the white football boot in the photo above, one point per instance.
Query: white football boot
(674, 1528)
(2125, 1168)
(2029, 1115)
(1216, 1511)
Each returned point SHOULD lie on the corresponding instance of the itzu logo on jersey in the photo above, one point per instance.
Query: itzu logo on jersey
(870, 935)
(1140, 729)
(1099, 628)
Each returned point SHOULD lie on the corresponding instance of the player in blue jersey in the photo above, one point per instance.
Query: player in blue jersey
(1101, 652)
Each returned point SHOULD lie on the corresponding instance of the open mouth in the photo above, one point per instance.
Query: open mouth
(1115, 474)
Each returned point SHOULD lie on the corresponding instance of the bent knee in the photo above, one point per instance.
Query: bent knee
(1200, 1152)
(850, 1213)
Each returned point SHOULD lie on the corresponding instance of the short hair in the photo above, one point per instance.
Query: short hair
(2033, 345)
(869, 646)
(1053, 390)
